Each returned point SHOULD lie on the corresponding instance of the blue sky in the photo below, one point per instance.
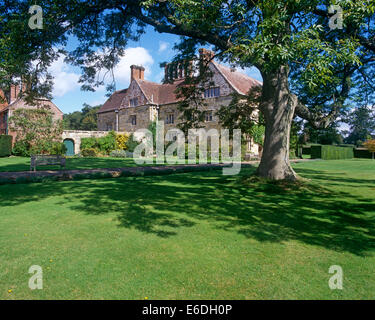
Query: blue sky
(152, 49)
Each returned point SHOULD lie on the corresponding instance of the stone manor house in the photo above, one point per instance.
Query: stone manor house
(144, 101)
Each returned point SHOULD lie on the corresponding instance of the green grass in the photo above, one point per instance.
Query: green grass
(23, 164)
(192, 236)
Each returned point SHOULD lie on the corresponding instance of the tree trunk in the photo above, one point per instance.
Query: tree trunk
(277, 106)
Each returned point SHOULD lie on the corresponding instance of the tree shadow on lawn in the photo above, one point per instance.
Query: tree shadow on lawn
(336, 178)
(71, 164)
(267, 212)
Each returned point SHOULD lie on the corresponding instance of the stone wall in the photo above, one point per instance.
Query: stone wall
(77, 135)
(212, 104)
(144, 116)
(107, 121)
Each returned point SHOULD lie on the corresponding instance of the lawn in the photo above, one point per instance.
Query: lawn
(23, 163)
(192, 236)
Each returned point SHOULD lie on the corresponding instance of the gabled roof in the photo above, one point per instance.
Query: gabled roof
(150, 90)
(240, 82)
(114, 101)
(160, 93)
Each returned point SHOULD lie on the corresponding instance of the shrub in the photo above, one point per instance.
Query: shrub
(89, 152)
(370, 146)
(5, 145)
(118, 154)
(362, 153)
(107, 143)
(131, 143)
(104, 144)
(36, 131)
(58, 148)
(88, 143)
(21, 148)
(121, 140)
(328, 152)
(306, 150)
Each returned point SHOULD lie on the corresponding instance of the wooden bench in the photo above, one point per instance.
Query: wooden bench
(46, 160)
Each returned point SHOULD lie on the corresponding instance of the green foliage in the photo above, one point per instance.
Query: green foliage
(5, 145)
(89, 143)
(325, 136)
(58, 148)
(107, 143)
(36, 130)
(132, 143)
(104, 144)
(89, 152)
(362, 153)
(361, 121)
(86, 119)
(327, 152)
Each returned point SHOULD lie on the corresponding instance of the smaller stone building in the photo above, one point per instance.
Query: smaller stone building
(14, 101)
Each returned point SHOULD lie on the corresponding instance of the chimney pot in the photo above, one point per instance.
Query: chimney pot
(205, 54)
(137, 73)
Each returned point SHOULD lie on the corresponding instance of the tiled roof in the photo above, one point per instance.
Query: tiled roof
(114, 101)
(160, 93)
(150, 89)
(239, 81)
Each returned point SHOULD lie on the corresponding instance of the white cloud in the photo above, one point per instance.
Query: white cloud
(163, 46)
(64, 80)
(138, 56)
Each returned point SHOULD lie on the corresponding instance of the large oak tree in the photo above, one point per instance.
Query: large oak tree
(309, 67)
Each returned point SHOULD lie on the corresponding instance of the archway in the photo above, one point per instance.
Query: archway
(69, 144)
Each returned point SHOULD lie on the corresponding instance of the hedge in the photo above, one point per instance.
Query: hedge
(5, 145)
(328, 152)
(362, 153)
(306, 150)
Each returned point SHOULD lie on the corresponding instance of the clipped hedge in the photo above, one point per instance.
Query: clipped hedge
(5, 145)
(328, 152)
(306, 150)
(362, 153)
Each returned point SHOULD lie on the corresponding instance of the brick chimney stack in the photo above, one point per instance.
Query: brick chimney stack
(25, 85)
(205, 54)
(137, 73)
(14, 92)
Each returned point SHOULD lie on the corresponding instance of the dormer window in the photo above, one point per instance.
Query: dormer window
(133, 102)
(212, 92)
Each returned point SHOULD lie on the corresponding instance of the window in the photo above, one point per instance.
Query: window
(109, 126)
(133, 120)
(170, 118)
(134, 102)
(209, 116)
(212, 92)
